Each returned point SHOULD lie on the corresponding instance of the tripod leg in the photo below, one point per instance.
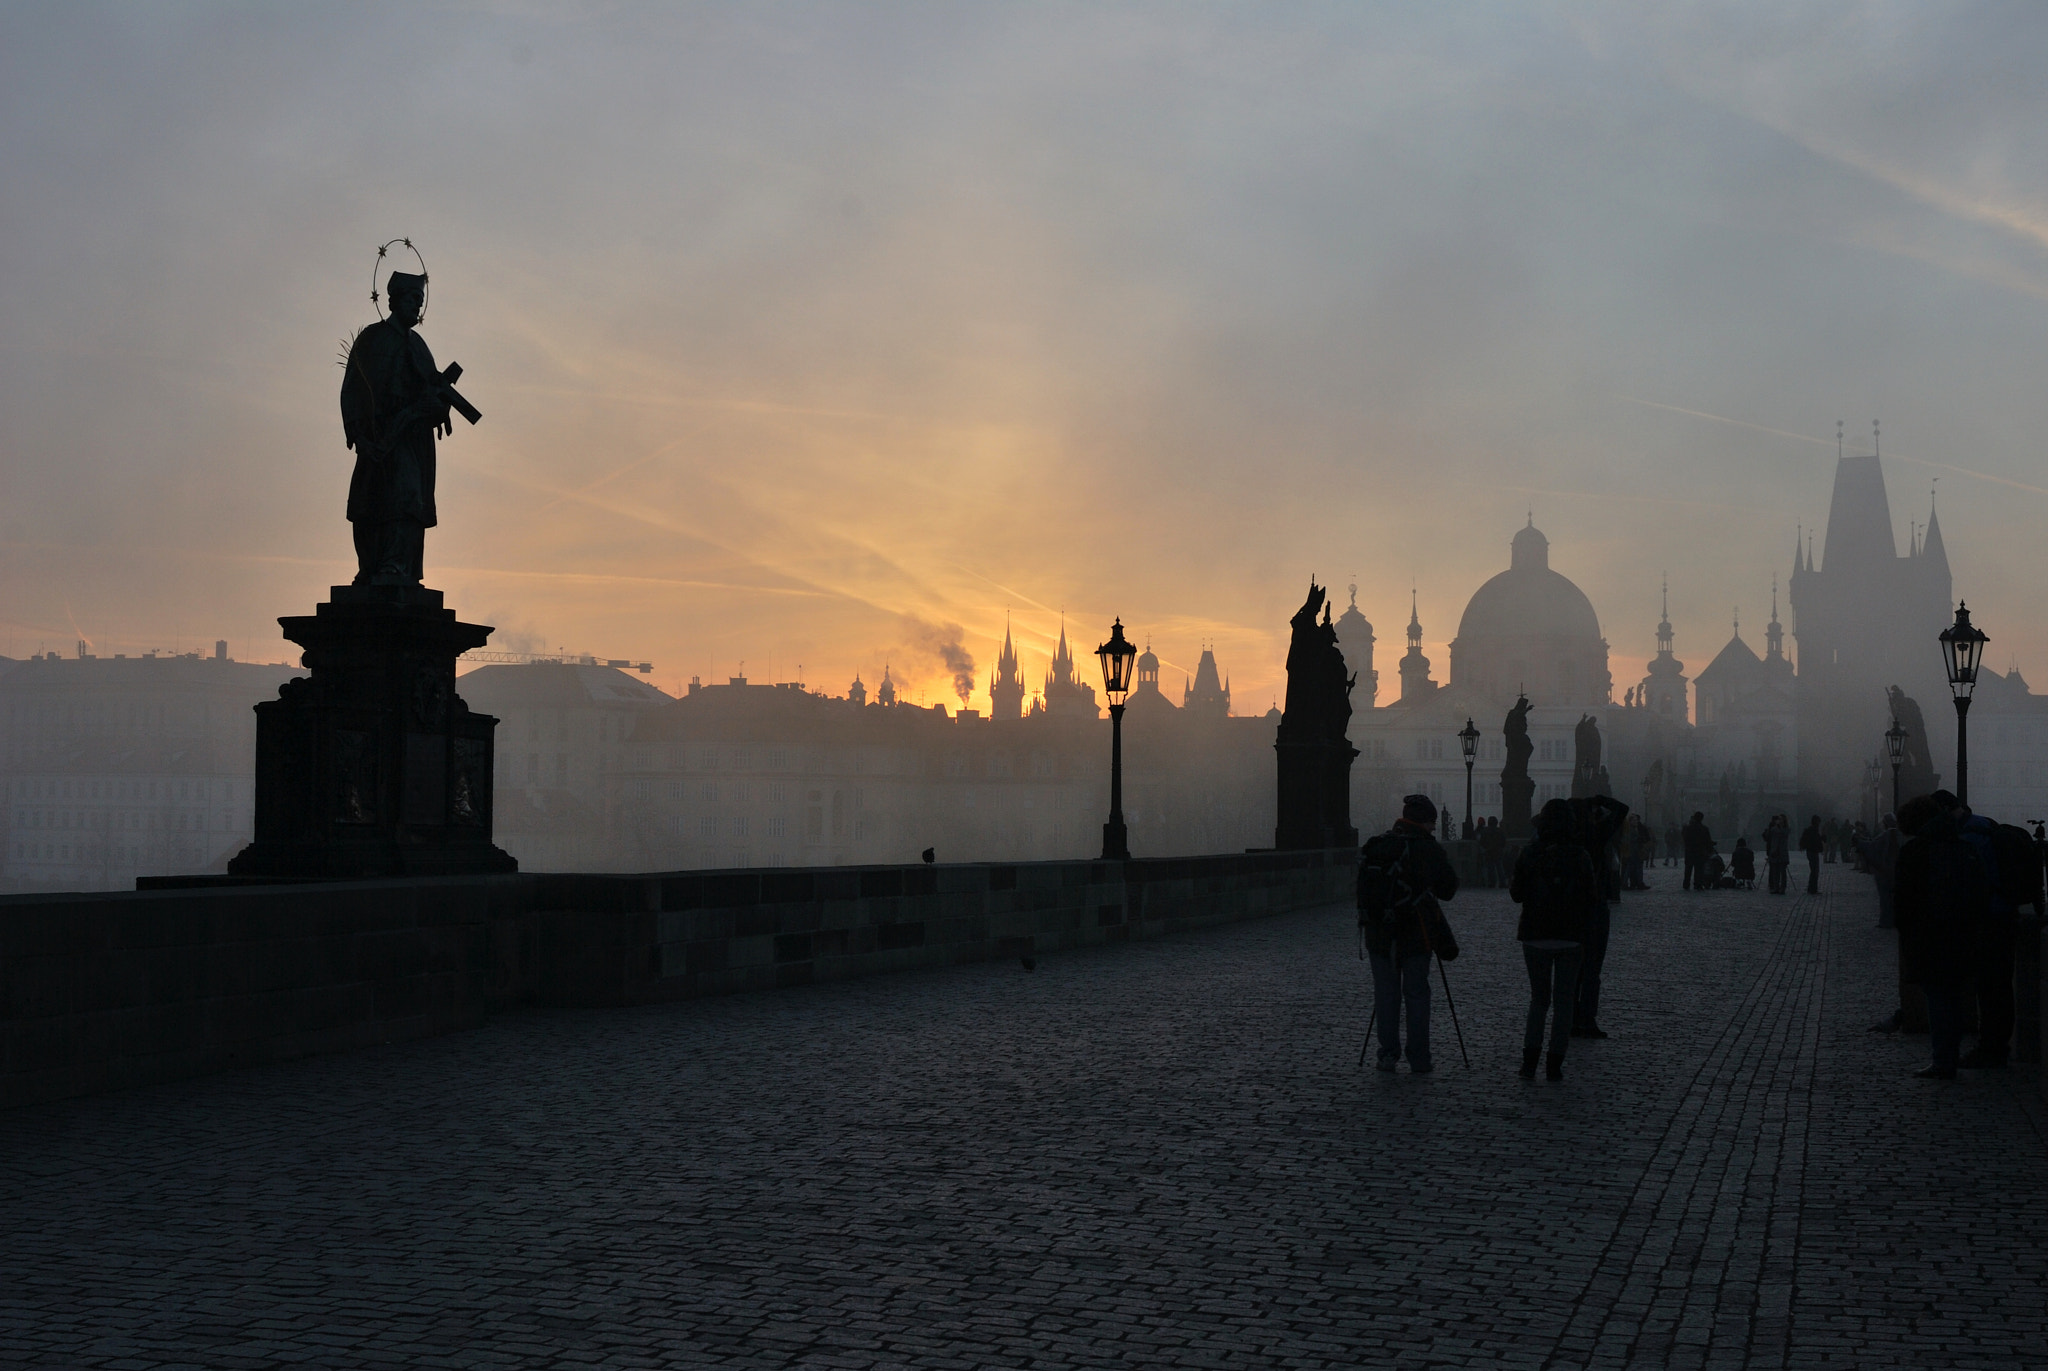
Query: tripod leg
(1453, 1004)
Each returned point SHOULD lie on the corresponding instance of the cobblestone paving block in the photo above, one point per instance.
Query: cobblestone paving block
(1154, 1154)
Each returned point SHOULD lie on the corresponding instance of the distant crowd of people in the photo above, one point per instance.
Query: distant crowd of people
(1951, 882)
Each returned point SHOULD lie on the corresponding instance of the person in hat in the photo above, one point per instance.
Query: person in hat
(1402, 874)
(393, 405)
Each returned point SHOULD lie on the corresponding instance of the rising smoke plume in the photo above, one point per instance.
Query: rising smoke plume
(943, 642)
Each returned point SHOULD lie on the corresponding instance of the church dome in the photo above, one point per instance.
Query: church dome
(1529, 599)
(1530, 627)
(1517, 604)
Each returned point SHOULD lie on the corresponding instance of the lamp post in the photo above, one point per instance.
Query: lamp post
(1468, 742)
(1895, 747)
(1117, 655)
(1962, 649)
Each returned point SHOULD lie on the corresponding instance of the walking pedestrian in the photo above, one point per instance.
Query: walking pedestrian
(1813, 843)
(1778, 851)
(1554, 882)
(1674, 844)
(1402, 873)
(1699, 845)
(1943, 903)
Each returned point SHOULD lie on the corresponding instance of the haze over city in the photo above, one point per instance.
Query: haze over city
(827, 337)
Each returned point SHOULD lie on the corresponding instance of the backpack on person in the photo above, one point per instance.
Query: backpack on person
(1389, 887)
(1386, 885)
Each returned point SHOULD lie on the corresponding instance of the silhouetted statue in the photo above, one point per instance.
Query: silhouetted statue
(393, 404)
(1516, 789)
(1314, 752)
(1917, 775)
(371, 765)
(1588, 776)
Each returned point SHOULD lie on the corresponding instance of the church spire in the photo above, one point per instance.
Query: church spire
(1774, 632)
(1931, 546)
(1414, 623)
(1664, 623)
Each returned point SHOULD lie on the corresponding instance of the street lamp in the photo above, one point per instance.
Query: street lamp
(1117, 656)
(1468, 741)
(1962, 648)
(1895, 745)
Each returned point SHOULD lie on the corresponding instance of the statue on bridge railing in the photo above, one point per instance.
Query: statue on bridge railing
(1314, 748)
(1516, 789)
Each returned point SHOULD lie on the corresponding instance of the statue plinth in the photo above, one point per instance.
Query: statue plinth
(371, 765)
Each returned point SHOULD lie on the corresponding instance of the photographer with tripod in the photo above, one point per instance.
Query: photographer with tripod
(1402, 873)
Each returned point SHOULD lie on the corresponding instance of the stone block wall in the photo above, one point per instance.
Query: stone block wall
(103, 991)
(638, 939)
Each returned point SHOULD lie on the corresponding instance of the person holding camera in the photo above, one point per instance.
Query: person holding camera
(1402, 873)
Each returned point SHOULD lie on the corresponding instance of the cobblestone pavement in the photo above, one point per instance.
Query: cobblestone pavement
(1157, 1155)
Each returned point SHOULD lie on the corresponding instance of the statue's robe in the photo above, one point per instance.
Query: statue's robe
(390, 408)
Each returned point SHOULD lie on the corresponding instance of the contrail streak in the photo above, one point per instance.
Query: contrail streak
(1808, 438)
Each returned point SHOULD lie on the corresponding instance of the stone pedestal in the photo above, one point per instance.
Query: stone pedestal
(371, 765)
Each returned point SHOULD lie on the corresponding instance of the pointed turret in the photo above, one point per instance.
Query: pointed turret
(1663, 688)
(1006, 686)
(885, 694)
(1931, 546)
(857, 693)
(1208, 697)
(1415, 682)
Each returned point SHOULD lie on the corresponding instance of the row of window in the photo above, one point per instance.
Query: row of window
(90, 788)
(63, 852)
(118, 819)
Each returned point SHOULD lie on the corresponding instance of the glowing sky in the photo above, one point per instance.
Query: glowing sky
(831, 334)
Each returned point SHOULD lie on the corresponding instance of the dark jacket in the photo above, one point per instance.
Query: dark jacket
(1942, 903)
(1812, 841)
(1698, 841)
(1778, 843)
(1558, 890)
(1426, 865)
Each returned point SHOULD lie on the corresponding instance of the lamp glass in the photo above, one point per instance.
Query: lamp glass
(1895, 743)
(1962, 650)
(1468, 739)
(1117, 657)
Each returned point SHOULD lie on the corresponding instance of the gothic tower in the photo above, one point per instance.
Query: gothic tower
(1865, 618)
(1006, 686)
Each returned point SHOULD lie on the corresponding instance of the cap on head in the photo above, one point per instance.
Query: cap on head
(1418, 809)
(405, 283)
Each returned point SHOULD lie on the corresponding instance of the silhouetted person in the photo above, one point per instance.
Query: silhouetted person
(1699, 845)
(1556, 886)
(1778, 852)
(1813, 843)
(1943, 904)
(1674, 845)
(1493, 847)
(929, 856)
(393, 404)
(2013, 866)
(1881, 855)
(1742, 862)
(1596, 821)
(1402, 873)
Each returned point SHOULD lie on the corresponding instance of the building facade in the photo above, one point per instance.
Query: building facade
(118, 767)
